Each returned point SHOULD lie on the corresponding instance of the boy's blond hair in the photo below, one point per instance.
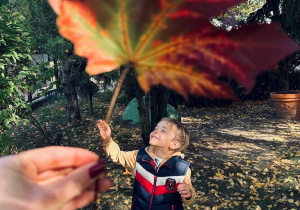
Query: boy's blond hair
(181, 133)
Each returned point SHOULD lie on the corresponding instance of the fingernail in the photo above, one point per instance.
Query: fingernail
(97, 169)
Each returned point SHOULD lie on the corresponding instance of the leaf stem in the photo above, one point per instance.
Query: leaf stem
(116, 93)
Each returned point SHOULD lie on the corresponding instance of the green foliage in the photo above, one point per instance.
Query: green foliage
(131, 112)
(238, 14)
(42, 19)
(15, 50)
(3, 2)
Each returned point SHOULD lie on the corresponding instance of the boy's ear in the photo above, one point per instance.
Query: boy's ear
(175, 145)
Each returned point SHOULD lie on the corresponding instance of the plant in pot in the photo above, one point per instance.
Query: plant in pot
(287, 13)
(287, 102)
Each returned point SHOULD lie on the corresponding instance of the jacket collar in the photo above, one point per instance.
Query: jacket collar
(150, 151)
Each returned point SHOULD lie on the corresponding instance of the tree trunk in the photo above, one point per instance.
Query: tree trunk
(73, 111)
(143, 109)
(162, 104)
(91, 103)
(30, 97)
(154, 110)
(159, 102)
(156, 100)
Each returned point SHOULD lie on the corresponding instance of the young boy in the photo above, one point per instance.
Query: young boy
(162, 177)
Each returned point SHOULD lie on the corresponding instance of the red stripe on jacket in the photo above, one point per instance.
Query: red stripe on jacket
(148, 186)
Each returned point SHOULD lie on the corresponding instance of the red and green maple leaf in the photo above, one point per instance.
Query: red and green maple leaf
(171, 42)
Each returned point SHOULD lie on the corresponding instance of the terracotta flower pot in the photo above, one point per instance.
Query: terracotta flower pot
(287, 104)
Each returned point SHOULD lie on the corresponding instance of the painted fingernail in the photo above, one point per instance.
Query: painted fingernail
(97, 169)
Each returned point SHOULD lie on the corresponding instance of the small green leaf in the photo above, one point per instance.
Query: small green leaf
(25, 121)
(4, 113)
(6, 124)
(25, 68)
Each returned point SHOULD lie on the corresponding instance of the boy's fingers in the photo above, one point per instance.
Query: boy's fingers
(182, 192)
(102, 125)
(180, 187)
(185, 196)
(99, 126)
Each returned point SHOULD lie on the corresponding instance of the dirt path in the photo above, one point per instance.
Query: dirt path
(243, 129)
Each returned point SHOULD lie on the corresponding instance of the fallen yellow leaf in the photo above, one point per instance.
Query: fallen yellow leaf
(258, 184)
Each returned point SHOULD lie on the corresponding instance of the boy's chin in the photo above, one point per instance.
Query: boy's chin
(152, 142)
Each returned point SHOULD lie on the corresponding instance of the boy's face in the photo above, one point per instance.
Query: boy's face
(163, 135)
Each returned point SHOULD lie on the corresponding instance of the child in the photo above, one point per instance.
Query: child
(162, 177)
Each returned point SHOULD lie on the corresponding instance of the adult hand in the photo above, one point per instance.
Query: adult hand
(105, 131)
(51, 178)
(184, 190)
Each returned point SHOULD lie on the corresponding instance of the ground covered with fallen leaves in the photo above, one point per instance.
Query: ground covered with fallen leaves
(242, 156)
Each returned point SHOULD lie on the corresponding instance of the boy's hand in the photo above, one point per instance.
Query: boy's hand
(105, 131)
(185, 191)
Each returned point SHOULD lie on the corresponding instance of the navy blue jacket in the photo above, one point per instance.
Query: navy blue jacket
(156, 189)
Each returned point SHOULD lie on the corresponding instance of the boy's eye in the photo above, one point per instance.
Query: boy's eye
(163, 131)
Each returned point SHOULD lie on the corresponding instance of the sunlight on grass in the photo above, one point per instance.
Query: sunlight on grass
(253, 135)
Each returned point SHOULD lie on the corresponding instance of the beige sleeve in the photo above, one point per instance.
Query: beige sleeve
(187, 180)
(126, 159)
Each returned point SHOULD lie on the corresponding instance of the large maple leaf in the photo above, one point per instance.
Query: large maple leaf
(170, 42)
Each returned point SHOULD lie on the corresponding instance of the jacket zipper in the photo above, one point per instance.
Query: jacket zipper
(154, 185)
(153, 190)
(133, 202)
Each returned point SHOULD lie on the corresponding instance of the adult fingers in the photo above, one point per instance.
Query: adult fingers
(54, 174)
(88, 196)
(80, 201)
(54, 157)
(77, 182)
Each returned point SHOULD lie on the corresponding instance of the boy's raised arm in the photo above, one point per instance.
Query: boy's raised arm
(112, 149)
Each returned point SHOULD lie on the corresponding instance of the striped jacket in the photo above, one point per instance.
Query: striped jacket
(128, 160)
(157, 188)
